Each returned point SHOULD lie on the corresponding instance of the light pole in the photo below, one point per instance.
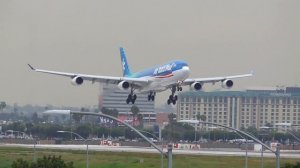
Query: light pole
(23, 136)
(170, 160)
(262, 147)
(287, 130)
(276, 152)
(159, 140)
(107, 116)
(195, 133)
(87, 145)
(110, 117)
(34, 149)
(246, 157)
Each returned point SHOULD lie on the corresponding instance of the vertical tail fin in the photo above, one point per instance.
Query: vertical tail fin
(125, 66)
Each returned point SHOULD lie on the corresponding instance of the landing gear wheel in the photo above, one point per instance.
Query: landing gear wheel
(169, 101)
(174, 102)
(179, 88)
(133, 99)
(172, 99)
(152, 97)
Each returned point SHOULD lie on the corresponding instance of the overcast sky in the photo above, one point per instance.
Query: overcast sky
(215, 37)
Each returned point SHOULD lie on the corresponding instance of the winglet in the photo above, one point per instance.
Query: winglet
(252, 72)
(31, 67)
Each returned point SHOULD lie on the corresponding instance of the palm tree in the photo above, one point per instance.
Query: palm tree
(2, 105)
(172, 118)
(198, 116)
(135, 110)
(112, 112)
(140, 118)
(201, 118)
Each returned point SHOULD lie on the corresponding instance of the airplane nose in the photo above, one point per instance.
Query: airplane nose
(186, 68)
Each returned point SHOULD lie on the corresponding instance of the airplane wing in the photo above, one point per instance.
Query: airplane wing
(137, 82)
(213, 80)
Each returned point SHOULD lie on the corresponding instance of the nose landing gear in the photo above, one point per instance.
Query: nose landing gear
(173, 98)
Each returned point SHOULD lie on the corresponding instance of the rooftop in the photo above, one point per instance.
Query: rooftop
(262, 92)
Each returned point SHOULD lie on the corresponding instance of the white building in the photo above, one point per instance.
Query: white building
(242, 108)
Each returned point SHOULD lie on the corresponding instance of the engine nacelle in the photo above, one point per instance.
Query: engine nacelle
(77, 80)
(227, 84)
(196, 86)
(124, 85)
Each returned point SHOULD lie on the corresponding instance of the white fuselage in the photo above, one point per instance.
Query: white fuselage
(161, 84)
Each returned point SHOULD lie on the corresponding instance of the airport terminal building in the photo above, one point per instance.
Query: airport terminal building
(253, 107)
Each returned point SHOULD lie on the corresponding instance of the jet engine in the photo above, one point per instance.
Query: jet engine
(123, 85)
(196, 86)
(77, 80)
(227, 84)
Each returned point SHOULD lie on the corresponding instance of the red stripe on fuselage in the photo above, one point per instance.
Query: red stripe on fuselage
(165, 76)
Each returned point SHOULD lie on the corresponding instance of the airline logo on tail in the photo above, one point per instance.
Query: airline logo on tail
(126, 70)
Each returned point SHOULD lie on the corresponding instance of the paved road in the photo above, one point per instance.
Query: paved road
(208, 152)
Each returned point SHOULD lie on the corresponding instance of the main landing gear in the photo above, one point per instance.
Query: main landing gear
(173, 98)
(151, 96)
(131, 97)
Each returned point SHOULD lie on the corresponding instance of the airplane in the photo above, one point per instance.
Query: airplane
(172, 75)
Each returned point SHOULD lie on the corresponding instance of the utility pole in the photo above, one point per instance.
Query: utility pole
(87, 145)
(170, 146)
(278, 156)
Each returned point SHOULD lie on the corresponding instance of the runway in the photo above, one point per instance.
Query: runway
(203, 151)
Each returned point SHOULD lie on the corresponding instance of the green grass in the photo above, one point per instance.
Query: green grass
(135, 160)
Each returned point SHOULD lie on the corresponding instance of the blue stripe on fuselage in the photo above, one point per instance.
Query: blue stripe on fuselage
(161, 70)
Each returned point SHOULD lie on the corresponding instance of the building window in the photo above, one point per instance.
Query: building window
(283, 101)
